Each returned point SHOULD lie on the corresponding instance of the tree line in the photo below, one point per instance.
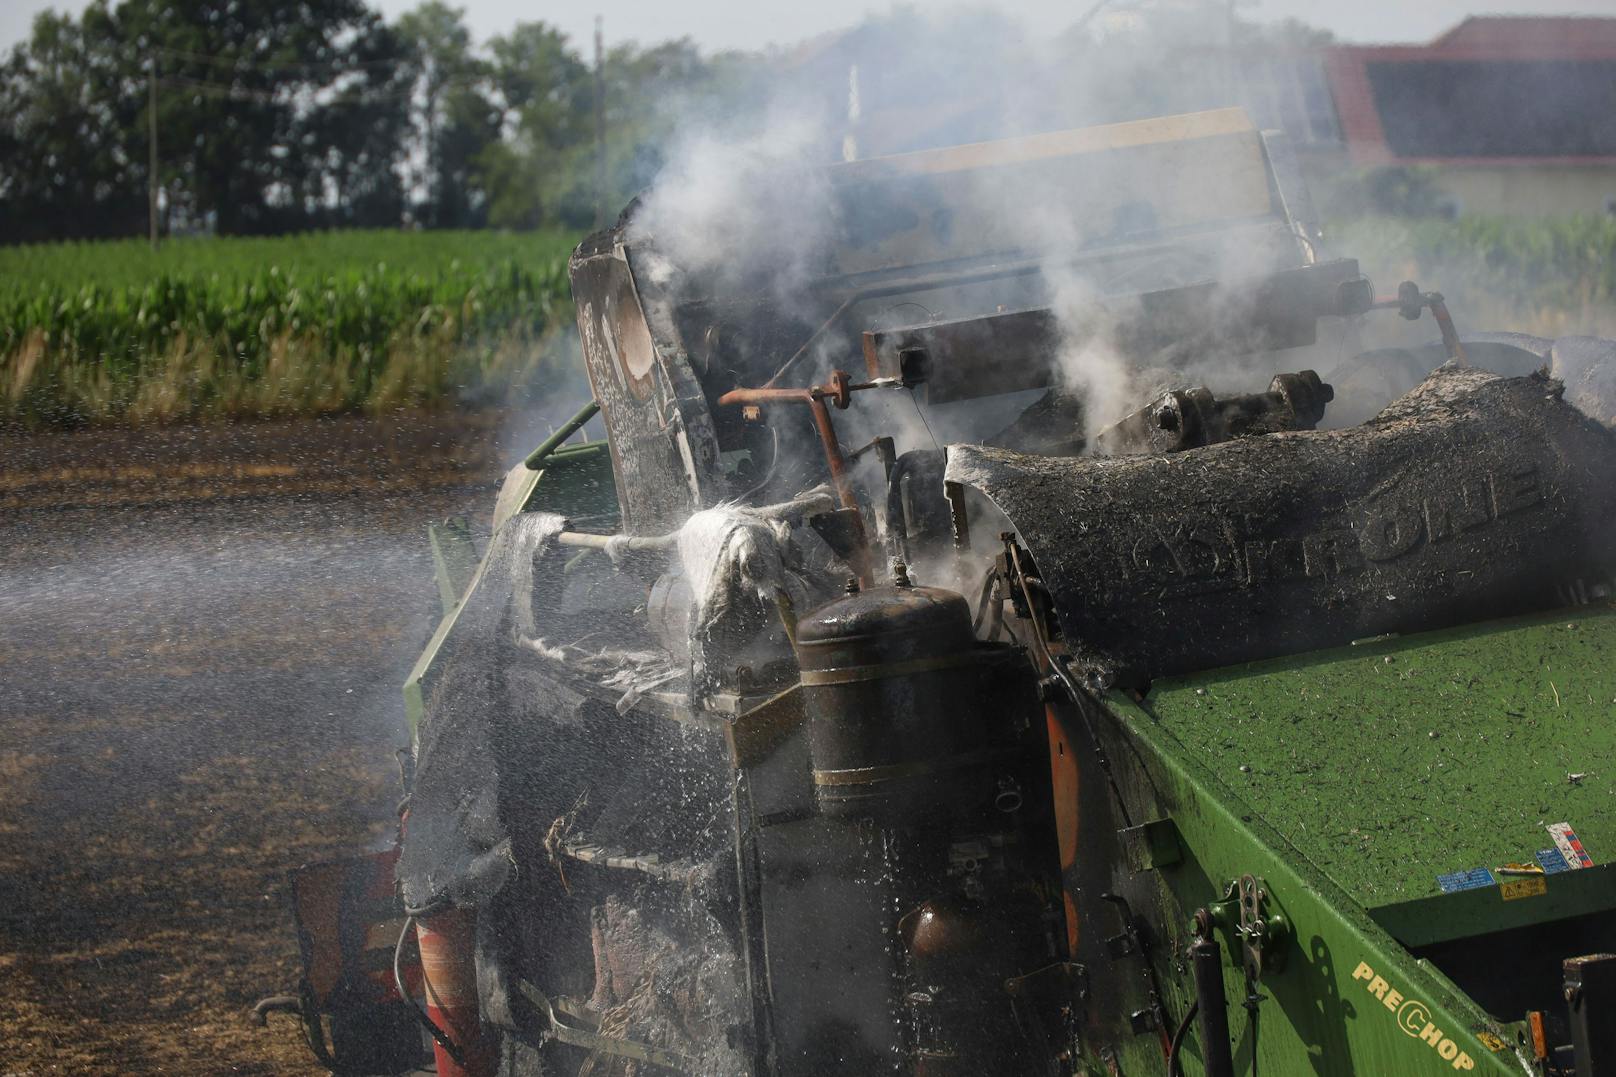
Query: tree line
(274, 117)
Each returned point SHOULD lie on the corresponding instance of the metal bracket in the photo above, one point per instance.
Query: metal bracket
(1590, 985)
(1151, 845)
(591, 1040)
(1143, 1021)
(1263, 933)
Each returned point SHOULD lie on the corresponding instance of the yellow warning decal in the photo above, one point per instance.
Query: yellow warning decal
(1524, 887)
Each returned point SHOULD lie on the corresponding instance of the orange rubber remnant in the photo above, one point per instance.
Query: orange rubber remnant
(1540, 1041)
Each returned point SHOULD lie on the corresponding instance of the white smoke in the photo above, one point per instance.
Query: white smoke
(730, 205)
(756, 204)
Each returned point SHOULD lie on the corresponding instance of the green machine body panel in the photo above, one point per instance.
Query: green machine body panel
(1348, 781)
(575, 481)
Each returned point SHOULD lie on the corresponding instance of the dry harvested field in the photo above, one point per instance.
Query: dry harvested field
(202, 631)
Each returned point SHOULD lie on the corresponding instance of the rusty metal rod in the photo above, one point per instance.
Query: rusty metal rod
(838, 391)
(1437, 304)
(1444, 322)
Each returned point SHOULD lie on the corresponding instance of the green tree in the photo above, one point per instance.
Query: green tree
(269, 117)
(239, 82)
(547, 92)
(66, 168)
(454, 118)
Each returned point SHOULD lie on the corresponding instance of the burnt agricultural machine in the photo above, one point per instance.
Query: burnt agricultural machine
(882, 696)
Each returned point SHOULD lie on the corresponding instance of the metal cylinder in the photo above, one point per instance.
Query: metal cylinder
(892, 684)
(449, 972)
(1206, 965)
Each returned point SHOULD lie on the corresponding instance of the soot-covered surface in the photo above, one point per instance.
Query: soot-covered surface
(1473, 496)
(195, 697)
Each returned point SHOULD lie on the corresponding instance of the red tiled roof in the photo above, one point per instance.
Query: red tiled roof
(1530, 33)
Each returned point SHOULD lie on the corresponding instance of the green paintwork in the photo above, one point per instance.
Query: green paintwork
(575, 482)
(537, 457)
(454, 559)
(1319, 773)
(1316, 1018)
(1395, 761)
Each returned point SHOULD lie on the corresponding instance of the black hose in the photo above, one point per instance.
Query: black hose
(1206, 964)
(1175, 1064)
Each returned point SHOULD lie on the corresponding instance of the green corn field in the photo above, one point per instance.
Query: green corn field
(331, 322)
(294, 325)
(1553, 276)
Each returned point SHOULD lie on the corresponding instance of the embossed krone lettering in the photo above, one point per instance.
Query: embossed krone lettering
(1516, 490)
(1331, 553)
(1391, 530)
(1462, 508)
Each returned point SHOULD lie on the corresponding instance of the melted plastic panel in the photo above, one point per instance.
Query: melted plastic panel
(456, 844)
(655, 452)
(591, 834)
(1474, 496)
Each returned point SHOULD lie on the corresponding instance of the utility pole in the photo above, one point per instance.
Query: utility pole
(151, 147)
(600, 125)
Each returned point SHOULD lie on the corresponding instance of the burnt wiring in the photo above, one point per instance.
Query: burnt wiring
(768, 476)
(1084, 702)
(1080, 696)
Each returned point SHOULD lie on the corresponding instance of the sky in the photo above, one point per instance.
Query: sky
(751, 24)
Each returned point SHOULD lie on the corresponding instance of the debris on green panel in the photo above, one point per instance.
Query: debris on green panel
(1393, 764)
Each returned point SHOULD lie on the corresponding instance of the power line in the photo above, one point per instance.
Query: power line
(235, 63)
(230, 91)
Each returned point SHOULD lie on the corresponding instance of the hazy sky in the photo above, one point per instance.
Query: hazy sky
(716, 24)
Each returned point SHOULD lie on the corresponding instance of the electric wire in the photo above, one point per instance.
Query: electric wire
(258, 96)
(774, 459)
(1080, 697)
(921, 413)
(236, 63)
(1175, 1062)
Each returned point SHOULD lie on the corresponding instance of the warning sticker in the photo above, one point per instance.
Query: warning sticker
(1474, 879)
(1523, 887)
(1553, 861)
(1570, 846)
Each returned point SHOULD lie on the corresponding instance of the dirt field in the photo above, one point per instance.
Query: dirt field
(202, 634)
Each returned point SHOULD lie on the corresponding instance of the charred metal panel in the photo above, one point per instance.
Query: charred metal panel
(1016, 350)
(664, 452)
(1472, 497)
(1111, 184)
